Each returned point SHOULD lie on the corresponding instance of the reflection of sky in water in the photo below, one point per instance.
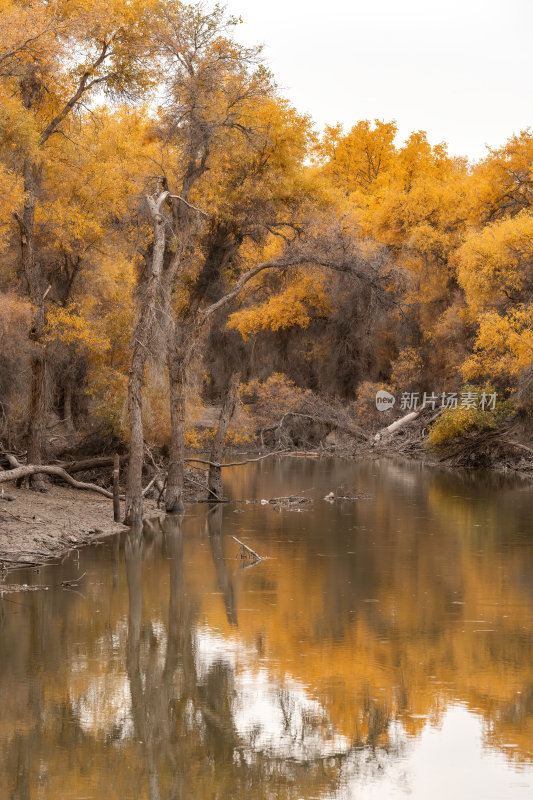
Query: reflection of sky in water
(278, 718)
(448, 762)
(105, 706)
(102, 703)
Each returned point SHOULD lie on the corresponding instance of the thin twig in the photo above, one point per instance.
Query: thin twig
(190, 205)
(197, 483)
(73, 582)
(20, 519)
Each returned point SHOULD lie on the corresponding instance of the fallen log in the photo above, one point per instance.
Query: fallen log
(11, 460)
(87, 463)
(518, 444)
(41, 469)
(399, 423)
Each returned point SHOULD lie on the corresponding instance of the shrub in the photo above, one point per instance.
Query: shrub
(407, 369)
(366, 410)
(454, 423)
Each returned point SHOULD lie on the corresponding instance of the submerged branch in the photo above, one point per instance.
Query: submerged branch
(247, 549)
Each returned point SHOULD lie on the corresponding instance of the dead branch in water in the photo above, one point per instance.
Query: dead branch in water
(73, 583)
(213, 498)
(10, 588)
(235, 463)
(245, 550)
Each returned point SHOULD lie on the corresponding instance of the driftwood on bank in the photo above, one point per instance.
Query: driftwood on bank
(79, 465)
(397, 424)
(42, 469)
(407, 435)
(87, 463)
(518, 444)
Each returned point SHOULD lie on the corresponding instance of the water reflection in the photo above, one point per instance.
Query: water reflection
(381, 640)
(197, 714)
(216, 541)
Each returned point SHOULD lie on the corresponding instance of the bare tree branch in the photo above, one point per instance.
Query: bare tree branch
(84, 86)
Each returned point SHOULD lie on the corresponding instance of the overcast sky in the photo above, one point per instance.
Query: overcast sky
(459, 69)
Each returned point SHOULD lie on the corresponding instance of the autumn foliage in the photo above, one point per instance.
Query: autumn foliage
(100, 108)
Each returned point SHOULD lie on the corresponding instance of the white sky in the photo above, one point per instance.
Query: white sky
(459, 69)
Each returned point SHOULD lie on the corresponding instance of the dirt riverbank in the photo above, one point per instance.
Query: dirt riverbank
(35, 527)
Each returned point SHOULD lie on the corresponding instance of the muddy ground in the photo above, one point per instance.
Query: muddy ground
(35, 527)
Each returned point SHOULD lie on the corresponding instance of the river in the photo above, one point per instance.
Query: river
(383, 648)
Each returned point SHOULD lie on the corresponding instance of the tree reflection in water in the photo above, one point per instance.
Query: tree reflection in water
(184, 716)
(173, 673)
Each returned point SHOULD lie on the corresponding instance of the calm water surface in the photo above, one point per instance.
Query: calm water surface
(383, 649)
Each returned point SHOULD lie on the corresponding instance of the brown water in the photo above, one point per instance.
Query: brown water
(384, 648)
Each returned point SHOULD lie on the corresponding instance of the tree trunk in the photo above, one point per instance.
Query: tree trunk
(176, 374)
(116, 488)
(37, 293)
(38, 392)
(214, 481)
(134, 490)
(67, 405)
(144, 330)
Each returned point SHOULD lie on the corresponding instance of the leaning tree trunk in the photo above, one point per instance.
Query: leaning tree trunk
(214, 480)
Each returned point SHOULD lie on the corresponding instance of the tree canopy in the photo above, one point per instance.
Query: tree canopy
(163, 206)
